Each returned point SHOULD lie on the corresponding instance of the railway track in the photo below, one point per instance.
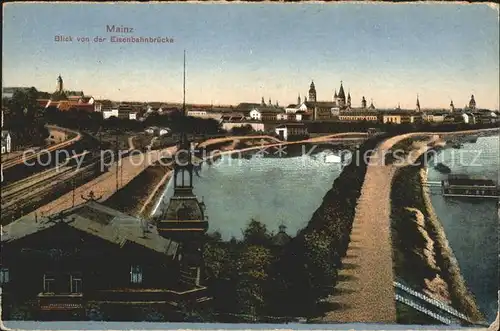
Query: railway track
(47, 149)
(23, 196)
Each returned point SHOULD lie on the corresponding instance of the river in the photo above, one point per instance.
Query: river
(471, 224)
(272, 190)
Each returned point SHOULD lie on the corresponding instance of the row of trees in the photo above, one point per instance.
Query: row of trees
(256, 278)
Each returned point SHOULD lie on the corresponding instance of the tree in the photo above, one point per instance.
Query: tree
(253, 274)
(24, 120)
(256, 234)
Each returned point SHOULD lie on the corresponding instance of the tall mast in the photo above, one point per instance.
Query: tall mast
(184, 87)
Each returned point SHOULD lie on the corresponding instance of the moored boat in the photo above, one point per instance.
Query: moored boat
(442, 168)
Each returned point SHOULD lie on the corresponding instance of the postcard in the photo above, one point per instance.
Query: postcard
(250, 166)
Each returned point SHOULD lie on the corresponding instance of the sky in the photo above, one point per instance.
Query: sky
(242, 52)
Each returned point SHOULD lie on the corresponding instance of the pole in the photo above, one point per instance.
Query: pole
(184, 87)
(117, 161)
(73, 184)
(121, 175)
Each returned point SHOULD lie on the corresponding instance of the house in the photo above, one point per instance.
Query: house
(202, 113)
(293, 108)
(255, 115)
(232, 117)
(109, 112)
(287, 131)
(398, 117)
(228, 126)
(197, 113)
(6, 142)
(6, 139)
(151, 130)
(162, 131)
(90, 261)
(282, 116)
(265, 114)
(357, 116)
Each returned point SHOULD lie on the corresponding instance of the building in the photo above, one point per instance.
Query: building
(434, 116)
(312, 92)
(265, 114)
(109, 112)
(232, 117)
(65, 100)
(92, 260)
(472, 103)
(287, 131)
(228, 126)
(6, 142)
(281, 238)
(358, 116)
(398, 117)
(6, 146)
(363, 103)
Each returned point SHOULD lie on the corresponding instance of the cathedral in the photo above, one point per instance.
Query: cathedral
(339, 99)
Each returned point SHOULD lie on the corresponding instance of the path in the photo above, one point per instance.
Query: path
(365, 290)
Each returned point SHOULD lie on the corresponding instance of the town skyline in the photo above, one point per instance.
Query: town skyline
(389, 56)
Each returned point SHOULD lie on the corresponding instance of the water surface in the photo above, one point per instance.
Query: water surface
(471, 224)
(273, 191)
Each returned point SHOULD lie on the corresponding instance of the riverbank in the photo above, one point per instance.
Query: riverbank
(422, 256)
(131, 197)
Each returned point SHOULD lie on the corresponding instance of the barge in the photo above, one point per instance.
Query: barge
(442, 168)
(470, 186)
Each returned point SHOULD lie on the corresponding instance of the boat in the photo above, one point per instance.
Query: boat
(442, 168)
(471, 139)
(462, 185)
(332, 158)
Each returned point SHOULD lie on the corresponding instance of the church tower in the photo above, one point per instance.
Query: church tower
(335, 96)
(472, 102)
(363, 103)
(418, 105)
(298, 100)
(349, 99)
(452, 106)
(312, 92)
(184, 218)
(341, 101)
(59, 84)
(372, 107)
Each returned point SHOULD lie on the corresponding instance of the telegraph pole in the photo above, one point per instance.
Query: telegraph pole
(73, 187)
(117, 161)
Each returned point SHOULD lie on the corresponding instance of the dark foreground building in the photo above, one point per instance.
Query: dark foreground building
(93, 262)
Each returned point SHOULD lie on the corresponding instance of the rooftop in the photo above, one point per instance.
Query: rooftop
(98, 220)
